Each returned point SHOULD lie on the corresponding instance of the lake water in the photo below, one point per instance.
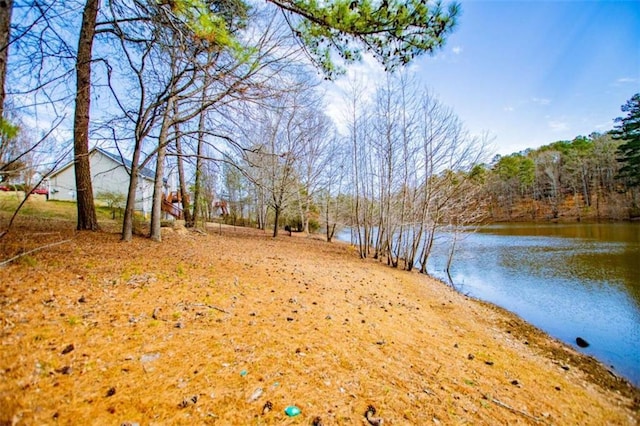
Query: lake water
(569, 280)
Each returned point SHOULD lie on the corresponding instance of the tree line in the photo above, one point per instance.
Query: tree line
(593, 177)
(405, 174)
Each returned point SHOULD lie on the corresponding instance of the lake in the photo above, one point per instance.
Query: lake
(569, 280)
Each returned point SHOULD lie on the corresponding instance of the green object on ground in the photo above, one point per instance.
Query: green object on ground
(292, 411)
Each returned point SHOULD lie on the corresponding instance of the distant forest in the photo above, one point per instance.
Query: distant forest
(565, 180)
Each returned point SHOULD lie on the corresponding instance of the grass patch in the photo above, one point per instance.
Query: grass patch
(73, 320)
(28, 261)
(38, 206)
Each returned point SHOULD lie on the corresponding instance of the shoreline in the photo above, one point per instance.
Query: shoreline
(310, 323)
(534, 336)
(623, 367)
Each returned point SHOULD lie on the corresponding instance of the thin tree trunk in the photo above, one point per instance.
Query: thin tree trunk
(127, 224)
(155, 232)
(87, 218)
(199, 152)
(184, 193)
(158, 195)
(6, 7)
(277, 219)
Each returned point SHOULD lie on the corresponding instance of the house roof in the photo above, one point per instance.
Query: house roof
(145, 172)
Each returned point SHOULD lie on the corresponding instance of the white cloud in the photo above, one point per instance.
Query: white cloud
(362, 77)
(509, 109)
(623, 80)
(604, 126)
(541, 101)
(457, 50)
(558, 126)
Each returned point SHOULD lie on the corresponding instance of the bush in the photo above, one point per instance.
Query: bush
(114, 200)
(314, 225)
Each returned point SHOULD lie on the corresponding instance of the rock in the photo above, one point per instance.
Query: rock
(317, 421)
(149, 357)
(188, 401)
(64, 370)
(255, 395)
(470, 357)
(581, 342)
(68, 349)
(268, 406)
(373, 421)
(111, 392)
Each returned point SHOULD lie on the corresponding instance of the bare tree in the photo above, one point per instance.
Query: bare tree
(356, 122)
(280, 151)
(314, 157)
(333, 202)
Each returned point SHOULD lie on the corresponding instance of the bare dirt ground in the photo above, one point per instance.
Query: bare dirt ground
(231, 327)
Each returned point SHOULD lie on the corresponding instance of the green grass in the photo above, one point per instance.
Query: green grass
(73, 320)
(38, 206)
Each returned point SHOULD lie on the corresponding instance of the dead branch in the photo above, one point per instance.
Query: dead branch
(210, 307)
(508, 407)
(6, 262)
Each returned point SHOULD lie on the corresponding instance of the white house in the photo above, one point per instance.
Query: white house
(109, 173)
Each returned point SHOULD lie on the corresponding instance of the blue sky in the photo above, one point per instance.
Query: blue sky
(534, 72)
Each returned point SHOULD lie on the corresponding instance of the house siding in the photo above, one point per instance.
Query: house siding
(107, 175)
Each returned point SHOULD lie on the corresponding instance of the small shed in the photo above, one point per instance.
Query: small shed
(109, 173)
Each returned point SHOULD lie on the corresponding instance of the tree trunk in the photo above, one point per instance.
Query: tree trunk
(307, 213)
(155, 232)
(87, 219)
(6, 7)
(184, 193)
(277, 219)
(127, 224)
(261, 210)
(198, 179)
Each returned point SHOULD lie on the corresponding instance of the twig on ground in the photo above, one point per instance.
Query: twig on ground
(8, 261)
(508, 407)
(211, 307)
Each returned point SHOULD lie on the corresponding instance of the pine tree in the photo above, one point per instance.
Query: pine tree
(628, 130)
(393, 31)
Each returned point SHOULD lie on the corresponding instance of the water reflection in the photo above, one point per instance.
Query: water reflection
(570, 280)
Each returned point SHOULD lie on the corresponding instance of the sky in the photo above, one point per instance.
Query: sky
(530, 73)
